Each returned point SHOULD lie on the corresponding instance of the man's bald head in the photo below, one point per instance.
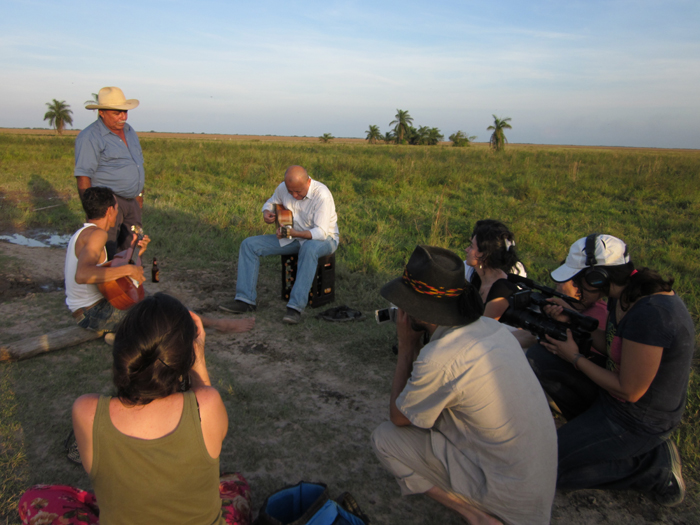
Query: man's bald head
(297, 182)
(295, 174)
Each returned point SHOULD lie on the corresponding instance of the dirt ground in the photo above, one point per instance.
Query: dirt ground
(263, 356)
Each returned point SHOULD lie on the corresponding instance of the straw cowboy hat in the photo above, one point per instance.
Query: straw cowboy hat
(113, 98)
(433, 289)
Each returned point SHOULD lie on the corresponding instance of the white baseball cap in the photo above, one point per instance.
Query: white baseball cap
(609, 251)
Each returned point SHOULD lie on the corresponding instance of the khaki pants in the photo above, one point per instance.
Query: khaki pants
(407, 452)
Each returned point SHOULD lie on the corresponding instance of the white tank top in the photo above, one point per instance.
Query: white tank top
(79, 295)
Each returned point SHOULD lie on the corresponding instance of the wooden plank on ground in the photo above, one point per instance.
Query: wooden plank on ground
(32, 346)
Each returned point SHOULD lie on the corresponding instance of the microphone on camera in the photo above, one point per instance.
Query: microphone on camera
(518, 279)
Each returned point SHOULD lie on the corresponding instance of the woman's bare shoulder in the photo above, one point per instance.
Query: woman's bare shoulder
(86, 403)
(206, 395)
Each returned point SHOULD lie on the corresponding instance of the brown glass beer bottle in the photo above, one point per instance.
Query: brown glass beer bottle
(155, 271)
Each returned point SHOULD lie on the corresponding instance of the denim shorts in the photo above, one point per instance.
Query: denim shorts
(101, 317)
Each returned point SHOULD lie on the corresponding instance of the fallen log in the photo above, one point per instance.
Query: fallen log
(32, 346)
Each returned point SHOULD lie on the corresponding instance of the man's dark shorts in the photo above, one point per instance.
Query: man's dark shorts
(101, 317)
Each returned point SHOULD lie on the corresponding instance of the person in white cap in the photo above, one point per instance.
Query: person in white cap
(108, 153)
(620, 415)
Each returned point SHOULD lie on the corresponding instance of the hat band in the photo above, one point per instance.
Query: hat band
(426, 289)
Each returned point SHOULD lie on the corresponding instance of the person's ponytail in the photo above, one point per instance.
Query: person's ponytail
(641, 283)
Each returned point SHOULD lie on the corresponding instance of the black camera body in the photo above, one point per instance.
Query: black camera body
(524, 311)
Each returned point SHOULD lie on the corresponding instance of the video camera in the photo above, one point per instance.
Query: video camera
(524, 312)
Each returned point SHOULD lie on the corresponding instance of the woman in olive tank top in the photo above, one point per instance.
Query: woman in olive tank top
(152, 451)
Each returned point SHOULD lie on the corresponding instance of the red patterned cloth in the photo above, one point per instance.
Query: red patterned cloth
(235, 499)
(64, 505)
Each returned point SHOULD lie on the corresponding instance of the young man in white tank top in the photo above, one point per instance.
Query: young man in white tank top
(84, 258)
(83, 270)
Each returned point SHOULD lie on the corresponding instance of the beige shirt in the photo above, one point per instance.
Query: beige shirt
(490, 421)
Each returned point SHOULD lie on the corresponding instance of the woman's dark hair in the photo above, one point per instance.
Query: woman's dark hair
(496, 243)
(153, 350)
(637, 284)
(642, 283)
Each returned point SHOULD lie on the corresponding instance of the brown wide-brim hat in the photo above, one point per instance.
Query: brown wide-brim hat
(113, 98)
(433, 289)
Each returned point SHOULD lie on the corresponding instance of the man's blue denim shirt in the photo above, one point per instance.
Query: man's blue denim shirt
(103, 157)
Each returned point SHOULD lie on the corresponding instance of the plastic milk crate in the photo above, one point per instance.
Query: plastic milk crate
(323, 288)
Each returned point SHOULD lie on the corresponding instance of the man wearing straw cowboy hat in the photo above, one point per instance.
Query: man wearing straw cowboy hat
(470, 426)
(108, 153)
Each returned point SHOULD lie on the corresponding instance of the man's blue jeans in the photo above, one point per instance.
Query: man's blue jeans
(595, 449)
(262, 245)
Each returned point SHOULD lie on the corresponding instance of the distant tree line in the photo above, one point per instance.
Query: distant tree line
(59, 114)
(403, 132)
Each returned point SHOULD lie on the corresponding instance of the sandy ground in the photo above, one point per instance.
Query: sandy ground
(262, 354)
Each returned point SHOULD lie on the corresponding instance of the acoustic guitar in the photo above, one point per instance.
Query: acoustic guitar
(284, 219)
(124, 292)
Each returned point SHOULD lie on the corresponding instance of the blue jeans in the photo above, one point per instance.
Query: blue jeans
(595, 449)
(262, 245)
(101, 317)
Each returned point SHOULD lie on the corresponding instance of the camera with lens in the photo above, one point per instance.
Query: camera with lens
(524, 311)
(386, 315)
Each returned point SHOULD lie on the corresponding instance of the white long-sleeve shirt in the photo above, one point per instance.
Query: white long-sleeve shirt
(314, 213)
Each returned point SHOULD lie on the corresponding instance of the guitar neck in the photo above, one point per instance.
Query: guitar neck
(133, 247)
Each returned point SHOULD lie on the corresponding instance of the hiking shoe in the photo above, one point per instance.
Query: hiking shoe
(237, 307)
(674, 491)
(71, 446)
(292, 316)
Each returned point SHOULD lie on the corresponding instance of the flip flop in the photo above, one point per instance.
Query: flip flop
(341, 314)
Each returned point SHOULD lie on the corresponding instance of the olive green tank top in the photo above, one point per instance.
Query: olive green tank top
(171, 479)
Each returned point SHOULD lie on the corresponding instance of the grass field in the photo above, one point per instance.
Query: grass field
(203, 197)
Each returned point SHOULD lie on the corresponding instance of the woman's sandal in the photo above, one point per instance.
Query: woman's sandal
(71, 446)
(340, 314)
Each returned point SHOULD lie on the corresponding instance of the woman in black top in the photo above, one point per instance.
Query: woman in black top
(492, 256)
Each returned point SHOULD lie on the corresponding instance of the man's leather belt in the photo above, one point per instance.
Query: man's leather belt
(81, 311)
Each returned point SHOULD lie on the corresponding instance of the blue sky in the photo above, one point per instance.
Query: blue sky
(618, 73)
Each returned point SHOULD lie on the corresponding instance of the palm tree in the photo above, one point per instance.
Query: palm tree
(459, 139)
(413, 135)
(434, 136)
(498, 138)
(373, 134)
(58, 115)
(420, 136)
(403, 121)
(326, 138)
(388, 137)
(94, 100)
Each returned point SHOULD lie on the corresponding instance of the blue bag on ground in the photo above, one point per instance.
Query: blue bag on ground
(309, 504)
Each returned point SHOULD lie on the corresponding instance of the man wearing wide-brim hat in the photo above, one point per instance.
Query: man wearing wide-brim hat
(470, 426)
(108, 153)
